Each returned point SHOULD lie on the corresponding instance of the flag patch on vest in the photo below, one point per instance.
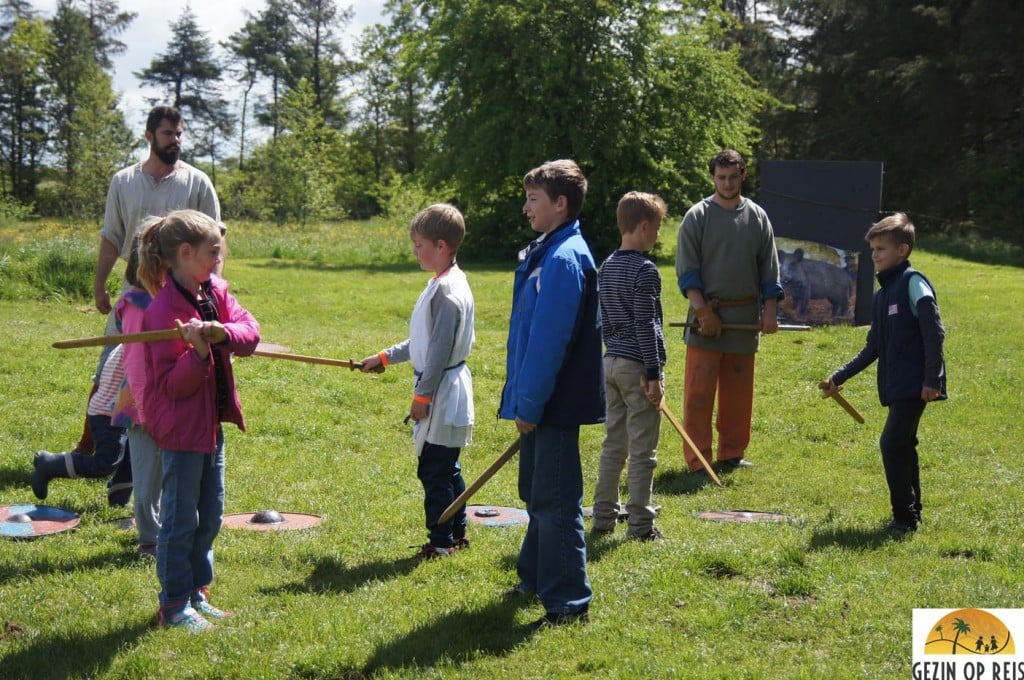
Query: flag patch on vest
(894, 309)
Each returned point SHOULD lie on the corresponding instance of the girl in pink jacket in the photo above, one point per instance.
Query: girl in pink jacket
(190, 391)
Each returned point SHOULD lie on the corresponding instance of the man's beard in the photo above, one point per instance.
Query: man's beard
(168, 154)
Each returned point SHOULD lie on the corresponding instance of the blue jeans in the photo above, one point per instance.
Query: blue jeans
(553, 560)
(441, 474)
(111, 445)
(191, 509)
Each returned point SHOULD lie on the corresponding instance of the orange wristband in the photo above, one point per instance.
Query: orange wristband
(383, 356)
(421, 399)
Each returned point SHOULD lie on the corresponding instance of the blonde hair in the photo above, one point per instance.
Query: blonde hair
(897, 227)
(440, 222)
(161, 237)
(636, 207)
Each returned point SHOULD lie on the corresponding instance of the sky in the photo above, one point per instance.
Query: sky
(150, 33)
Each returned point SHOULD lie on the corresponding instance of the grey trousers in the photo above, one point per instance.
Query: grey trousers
(147, 476)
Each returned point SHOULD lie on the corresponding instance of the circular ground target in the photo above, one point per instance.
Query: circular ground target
(31, 521)
(271, 520)
(496, 515)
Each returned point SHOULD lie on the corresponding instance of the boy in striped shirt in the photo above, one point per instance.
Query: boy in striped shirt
(632, 326)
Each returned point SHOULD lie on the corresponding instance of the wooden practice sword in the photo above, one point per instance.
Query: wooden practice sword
(663, 407)
(450, 511)
(841, 400)
(171, 334)
(350, 364)
(145, 336)
(753, 327)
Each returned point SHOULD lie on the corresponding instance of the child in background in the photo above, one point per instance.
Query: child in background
(906, 337)
(111, 409)
(145, 460)
(110, 439)
(190, 391)
(554, 384)
(441, 335)
(633, 328)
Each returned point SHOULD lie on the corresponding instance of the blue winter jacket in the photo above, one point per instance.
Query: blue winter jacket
(554, 373)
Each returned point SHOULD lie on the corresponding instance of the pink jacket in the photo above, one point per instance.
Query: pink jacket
(130, 310)
(180, 400)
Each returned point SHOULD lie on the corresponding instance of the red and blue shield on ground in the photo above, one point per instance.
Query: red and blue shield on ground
(31, 521)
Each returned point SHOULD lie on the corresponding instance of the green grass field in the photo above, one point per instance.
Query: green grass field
(827, 596)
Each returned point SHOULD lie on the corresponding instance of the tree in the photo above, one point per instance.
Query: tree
(394, 92)
(102, 143)
(298, 170)
(927, 88)
(23, 120)
(11, 11)
(638, 93)
(765, 42)
(190, 75)
(261, 48)
(90, 138)
(106, 22)
(317, 56)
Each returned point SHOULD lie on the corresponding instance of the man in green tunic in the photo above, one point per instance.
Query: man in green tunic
(728, 269)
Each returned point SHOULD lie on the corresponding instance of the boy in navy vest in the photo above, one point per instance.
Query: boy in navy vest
(906, 337)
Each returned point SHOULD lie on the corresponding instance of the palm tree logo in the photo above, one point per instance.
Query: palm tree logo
(975, 631)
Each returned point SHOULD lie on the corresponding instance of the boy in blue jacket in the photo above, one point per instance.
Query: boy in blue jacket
(554, 384)
(906, 337)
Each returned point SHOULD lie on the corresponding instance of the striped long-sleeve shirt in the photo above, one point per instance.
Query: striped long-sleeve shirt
(631, 317)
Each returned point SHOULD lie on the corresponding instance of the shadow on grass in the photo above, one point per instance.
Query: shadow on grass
(855, 539)
(74, 655)
(681, 481)
(123, 558)
(18, 477)
(330, 575)
(597, 548)
(458, 637)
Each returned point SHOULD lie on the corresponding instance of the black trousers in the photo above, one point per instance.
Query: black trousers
(898, 443)
(440, 473)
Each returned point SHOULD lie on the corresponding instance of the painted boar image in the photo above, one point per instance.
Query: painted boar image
(805, 279)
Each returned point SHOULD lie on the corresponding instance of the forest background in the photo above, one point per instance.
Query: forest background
(297, 122)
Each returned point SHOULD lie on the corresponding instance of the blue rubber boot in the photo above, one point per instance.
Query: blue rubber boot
(49, 466)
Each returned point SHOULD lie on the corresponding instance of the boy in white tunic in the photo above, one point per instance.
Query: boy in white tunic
(440, 338)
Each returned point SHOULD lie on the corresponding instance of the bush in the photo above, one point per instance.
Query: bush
(56, 270)
(11, 210)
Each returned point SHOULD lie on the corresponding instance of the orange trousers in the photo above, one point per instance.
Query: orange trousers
(732, 376)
